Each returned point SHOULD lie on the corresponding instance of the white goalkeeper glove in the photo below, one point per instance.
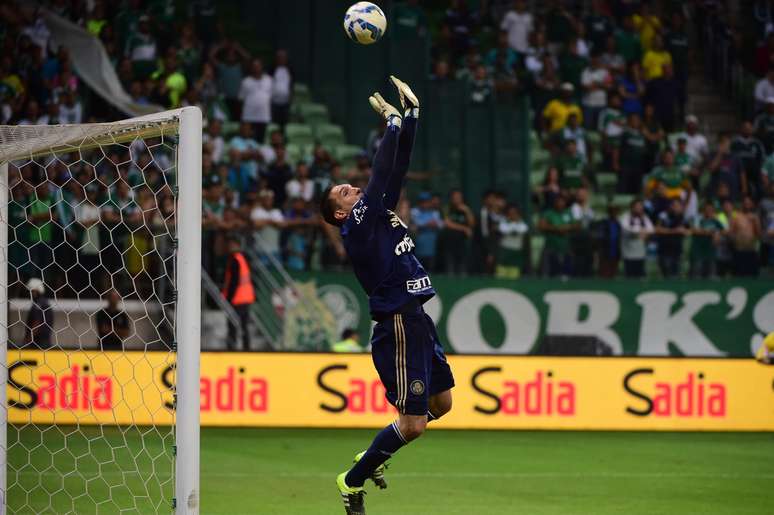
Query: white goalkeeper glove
(408, 100)
(382, 107)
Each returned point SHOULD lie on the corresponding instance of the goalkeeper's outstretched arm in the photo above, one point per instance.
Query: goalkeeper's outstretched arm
(410, 105)
(384, 160)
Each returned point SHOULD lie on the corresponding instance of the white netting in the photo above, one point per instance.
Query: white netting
(91, 322)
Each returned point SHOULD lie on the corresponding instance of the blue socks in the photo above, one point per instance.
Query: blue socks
(386, 443)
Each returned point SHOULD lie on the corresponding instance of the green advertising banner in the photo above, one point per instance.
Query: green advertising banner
(654, 318)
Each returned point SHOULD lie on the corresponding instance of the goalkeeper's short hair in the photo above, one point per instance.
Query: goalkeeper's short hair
(328, 208)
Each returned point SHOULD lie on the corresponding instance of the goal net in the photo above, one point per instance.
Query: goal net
(100, 230)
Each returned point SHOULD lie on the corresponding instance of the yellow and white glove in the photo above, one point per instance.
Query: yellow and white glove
(381, 106)
(408, 100)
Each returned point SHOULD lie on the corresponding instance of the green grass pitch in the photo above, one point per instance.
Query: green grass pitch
(292, 471)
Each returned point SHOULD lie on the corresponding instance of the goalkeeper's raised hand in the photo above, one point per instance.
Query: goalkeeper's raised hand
(408, 100)
(381, 106)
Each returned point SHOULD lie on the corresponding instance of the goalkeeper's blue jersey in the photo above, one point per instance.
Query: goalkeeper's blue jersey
(382, 255)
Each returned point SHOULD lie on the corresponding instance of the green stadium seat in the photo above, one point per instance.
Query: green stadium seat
(230, 129)
(346, 154)
(295, 152)
(593, 138)
(536, 177)
(299, 133)
(599, 203)
(329, 135)
(622, 200)
(606, 181)
(301, 93)
(313, 114)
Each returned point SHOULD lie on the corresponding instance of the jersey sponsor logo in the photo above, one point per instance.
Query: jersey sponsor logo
(395, 220)
(404, 245)
(358, 212)
(418, 285)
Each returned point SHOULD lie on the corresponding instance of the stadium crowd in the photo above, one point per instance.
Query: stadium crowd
(608, 91)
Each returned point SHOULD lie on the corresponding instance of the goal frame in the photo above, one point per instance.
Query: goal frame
(187, 312)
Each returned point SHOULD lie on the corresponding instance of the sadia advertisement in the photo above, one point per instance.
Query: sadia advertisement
(330, 390)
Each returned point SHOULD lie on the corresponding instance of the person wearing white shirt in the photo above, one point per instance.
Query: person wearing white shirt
(255, 91)
(281, 89)
(764, 89)
(267, 221)
(214, 140)
(636, 227)
(695, 143)
(518, 24)
(301, 185)
(70, 110)
(596, 81)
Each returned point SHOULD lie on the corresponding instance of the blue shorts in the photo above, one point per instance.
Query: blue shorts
(410, 361)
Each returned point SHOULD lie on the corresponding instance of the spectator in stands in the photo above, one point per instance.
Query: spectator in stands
(545, 88)
(481, 86)
(609, 243)
(87, 218)
(441, 71)
(39, 325)
(350, 342)
(725, 168)
(426, 224)
(248, 149)
(574, 132)
(277, 175)
(409, 20)
(267, 221)
(213, 141)
(301, 185)
(705, 236)
(572, 62)
(631, 87)
(454, 239)
(653, 132)
(510, 255)
(611, 58)
(628, 41)
(678, 45)
(70, 110)
(255, 91)
(112, 323)
(538, 53)
(596, 81)
(546, 191)
(518, 23)
(557, 224)
(751, 154)
(299, 224)
(636, 228)
(282, 89)
(655, 59)
(764, 124)
(172, 83)
(663, 93)
(599, 25)
(41, 218)
(685, 162)
(141, 48)
(610, 125)
(239, 292)
(229, 72)
(630, 159)
(485, 234)
(461, 22)
(745, 233)
(667, 182)
(557, 111)
(671, 228)
(502, 53)
(764, 89)
(572, 167)
(580, 240)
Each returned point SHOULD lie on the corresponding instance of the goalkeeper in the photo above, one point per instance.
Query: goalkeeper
(405, 347)
(766, 350)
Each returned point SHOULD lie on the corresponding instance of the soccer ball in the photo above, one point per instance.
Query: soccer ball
(365, 23)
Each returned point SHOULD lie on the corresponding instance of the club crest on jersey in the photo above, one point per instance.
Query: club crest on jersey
(358, 212)
(395, 220)
(404, 245)
(418, 285)
(417, 387)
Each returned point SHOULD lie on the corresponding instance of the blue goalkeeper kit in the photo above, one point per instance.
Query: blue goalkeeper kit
(405, 347)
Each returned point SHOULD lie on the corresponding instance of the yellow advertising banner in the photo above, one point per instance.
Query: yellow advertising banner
(332, 390)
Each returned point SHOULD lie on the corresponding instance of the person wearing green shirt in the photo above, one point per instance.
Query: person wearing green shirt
(557, 224)
(667, 182)
(610, 124)
(684, 161)
(705, 233)
(408, 20)
(39, 216)
(627, 40)
(630, 159)
(348, 343)
(572, 167)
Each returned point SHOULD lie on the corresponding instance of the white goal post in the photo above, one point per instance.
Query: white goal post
(127, 457)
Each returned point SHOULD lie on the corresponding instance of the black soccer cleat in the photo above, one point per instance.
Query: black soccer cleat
(353, 497)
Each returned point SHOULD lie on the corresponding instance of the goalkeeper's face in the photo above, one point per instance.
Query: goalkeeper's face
(345, 196)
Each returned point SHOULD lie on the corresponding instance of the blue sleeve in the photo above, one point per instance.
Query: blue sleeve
(384, 162)
(402, 160)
